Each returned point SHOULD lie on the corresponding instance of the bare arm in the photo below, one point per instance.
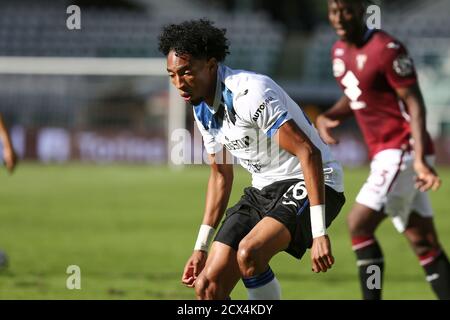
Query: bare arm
(8, 152)
(333, 118)
(416, 109)
(426, 175)
(340, 111)
(217, 195)
(292, 139)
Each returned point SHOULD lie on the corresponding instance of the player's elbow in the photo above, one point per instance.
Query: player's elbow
(309, 152)
(223, 174)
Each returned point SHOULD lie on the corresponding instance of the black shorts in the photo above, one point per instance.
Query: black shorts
(285, 201)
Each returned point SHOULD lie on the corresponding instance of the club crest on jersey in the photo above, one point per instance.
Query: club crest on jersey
(361, 60)
(403, 66)
(393, 45)
(338, 67)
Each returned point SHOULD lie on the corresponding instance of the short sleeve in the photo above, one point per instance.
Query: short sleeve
(210, 143)
(266, 109)
(398, 66)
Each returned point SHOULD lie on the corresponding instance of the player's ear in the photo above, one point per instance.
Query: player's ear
(212, 64)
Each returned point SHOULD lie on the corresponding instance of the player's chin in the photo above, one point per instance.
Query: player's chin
(343, 37)
(343, 34)
(195, 101)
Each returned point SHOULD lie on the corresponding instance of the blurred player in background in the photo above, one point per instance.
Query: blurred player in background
(382, 92)
(291, 201)
(10, 160)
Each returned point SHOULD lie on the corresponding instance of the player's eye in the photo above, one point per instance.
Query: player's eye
(347, 12)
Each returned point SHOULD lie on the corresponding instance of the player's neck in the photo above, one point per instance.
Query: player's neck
(359, 39)
(209, 99)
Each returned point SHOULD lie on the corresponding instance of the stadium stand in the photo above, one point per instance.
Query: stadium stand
(31, 28)
(424, 28)
(38, 29)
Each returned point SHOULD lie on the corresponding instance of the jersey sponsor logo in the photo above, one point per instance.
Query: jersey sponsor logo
(261, 107)
(403, 65)
(338, 67)
(238, 144)
(361, 60)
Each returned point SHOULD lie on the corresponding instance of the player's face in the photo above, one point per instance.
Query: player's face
(194, 78)
(346, 17)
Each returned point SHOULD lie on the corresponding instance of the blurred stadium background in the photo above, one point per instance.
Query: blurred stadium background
(94, 188)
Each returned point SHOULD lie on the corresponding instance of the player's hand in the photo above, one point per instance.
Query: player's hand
(10, 158)
(324, 126)
(193, 267)
(321, 256)
(426, 178)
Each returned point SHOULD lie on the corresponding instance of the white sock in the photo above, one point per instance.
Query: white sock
(264, 286)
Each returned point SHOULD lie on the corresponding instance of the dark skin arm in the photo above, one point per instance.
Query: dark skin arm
(292, 139)
(333, 118)
(427, 177)
(217, 195)
(8, 152)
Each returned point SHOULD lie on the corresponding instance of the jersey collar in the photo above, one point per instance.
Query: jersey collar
(218, 93)
(368, 34)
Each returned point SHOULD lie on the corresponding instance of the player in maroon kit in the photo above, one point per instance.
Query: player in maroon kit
(381, 90)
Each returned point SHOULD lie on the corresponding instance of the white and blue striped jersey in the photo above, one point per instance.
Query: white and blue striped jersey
(248, 110)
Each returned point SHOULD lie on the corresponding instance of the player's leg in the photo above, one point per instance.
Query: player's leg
(424, 240)
(412, 215)
(386, 169)
(287, 227)
(221, 271)
(362, 222)
(220, 274)
(266, 239)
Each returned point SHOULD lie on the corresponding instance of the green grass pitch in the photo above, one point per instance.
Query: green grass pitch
(131, 228)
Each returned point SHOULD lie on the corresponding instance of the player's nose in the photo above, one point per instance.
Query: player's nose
(338, 18)
(179, 82)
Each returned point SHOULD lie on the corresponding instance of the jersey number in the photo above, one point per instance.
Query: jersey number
(352, 90)
(298, 193)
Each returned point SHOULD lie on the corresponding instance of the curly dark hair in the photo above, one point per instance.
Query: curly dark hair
(198, 38)
(365, 3)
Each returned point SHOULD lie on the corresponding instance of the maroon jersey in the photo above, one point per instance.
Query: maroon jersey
(369, 76)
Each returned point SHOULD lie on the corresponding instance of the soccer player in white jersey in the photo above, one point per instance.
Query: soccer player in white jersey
(291, 201)
(10, 160)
